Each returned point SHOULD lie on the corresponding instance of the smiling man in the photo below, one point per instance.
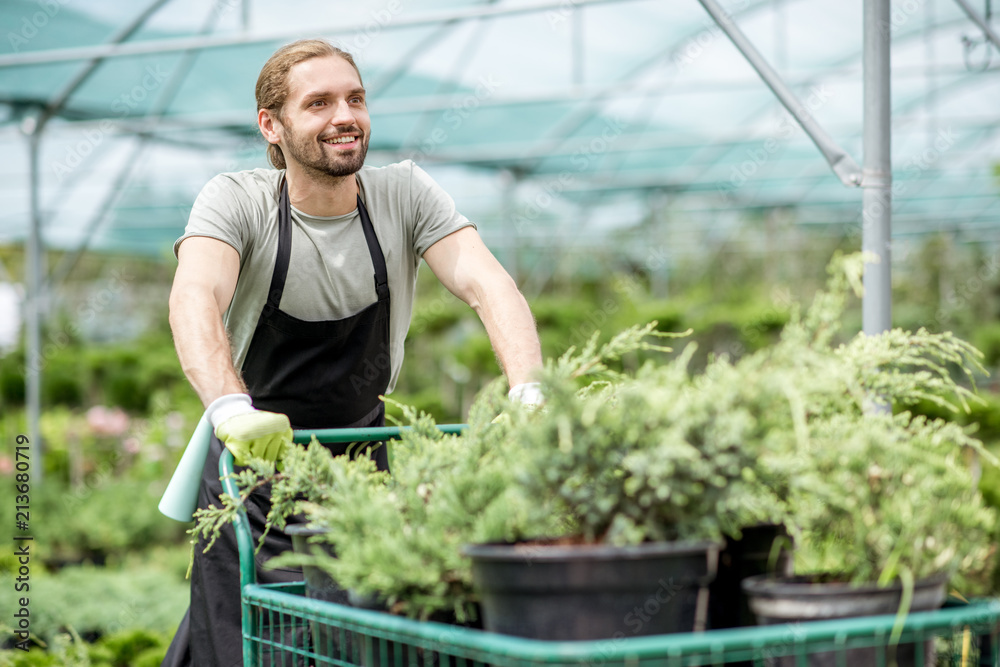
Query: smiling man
(293, 295)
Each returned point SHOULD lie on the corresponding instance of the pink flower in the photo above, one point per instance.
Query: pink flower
(107, 421)
(131, 445)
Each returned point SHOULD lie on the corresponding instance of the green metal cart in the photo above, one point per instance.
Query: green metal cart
(284, 628)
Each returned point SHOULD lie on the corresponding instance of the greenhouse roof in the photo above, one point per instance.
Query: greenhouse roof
(561, 123)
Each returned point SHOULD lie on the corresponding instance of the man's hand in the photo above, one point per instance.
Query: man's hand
(528, 394)
(248, 432)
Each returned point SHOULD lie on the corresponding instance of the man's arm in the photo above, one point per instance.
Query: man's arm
(203, 287)
(463, 264)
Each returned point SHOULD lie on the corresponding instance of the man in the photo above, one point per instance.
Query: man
(293, 295)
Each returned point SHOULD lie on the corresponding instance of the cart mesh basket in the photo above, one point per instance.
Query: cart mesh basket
(284, 628)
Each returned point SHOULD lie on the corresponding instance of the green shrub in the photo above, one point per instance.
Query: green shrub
(106, 601)
(12, 378)
(96, 522)
(130, 648)
(126, 649)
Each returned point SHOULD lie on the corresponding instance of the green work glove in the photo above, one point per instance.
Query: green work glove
(248, 432)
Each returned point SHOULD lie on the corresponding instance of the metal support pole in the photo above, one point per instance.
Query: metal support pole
(578, 52)
(33, 307)
(843, 165)
(34, 127)
(876, 212)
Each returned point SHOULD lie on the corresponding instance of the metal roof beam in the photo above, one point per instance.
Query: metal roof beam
(115, 192)
(840, 161)
(156, 46)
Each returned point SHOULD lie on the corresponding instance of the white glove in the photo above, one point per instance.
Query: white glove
(528, 394)
(228, 406)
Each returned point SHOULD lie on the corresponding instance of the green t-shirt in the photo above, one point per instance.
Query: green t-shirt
(330, 271)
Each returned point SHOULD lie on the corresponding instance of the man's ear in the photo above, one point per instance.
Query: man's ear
(270, 125)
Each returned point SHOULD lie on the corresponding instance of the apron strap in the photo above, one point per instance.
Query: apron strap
(375, 250)
(284, 255)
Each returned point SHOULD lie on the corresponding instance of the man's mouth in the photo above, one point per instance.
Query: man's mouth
(336, 141)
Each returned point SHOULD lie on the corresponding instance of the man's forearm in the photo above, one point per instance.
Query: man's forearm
(511, 329)
(202, 344)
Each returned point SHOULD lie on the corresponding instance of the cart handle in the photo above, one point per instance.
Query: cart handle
(244, 539)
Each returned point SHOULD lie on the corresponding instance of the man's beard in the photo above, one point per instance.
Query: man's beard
(309, 153)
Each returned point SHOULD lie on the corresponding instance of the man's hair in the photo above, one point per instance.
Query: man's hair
(272, 84)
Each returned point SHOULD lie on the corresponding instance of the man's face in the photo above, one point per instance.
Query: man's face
(325, 119)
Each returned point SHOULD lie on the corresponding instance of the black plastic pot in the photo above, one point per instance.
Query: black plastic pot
(327, 641)
(799, 599)
(593, 591)
(319, 586)
(728, 605)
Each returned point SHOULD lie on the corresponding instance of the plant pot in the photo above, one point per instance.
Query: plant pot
(799, 599)
(728, 605)
(326, 641)
(578, 592)
(319, 585)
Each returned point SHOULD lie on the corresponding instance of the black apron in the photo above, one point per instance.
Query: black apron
(326, 374)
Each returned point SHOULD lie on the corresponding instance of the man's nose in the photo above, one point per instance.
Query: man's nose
(342, 114)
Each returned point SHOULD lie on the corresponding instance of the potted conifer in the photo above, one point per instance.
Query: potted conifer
(527, 515)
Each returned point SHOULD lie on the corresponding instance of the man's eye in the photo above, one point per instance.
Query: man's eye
(316, 103)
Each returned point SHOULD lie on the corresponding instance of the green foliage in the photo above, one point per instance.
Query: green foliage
(398, 538)
(106, 520)
(881, 497)
(103, 601)
(74, 375)
(65, 650)
(785, 433)
(987, 339)
(631, 459)
(133, 648)
(130, 648)
(888, 496)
